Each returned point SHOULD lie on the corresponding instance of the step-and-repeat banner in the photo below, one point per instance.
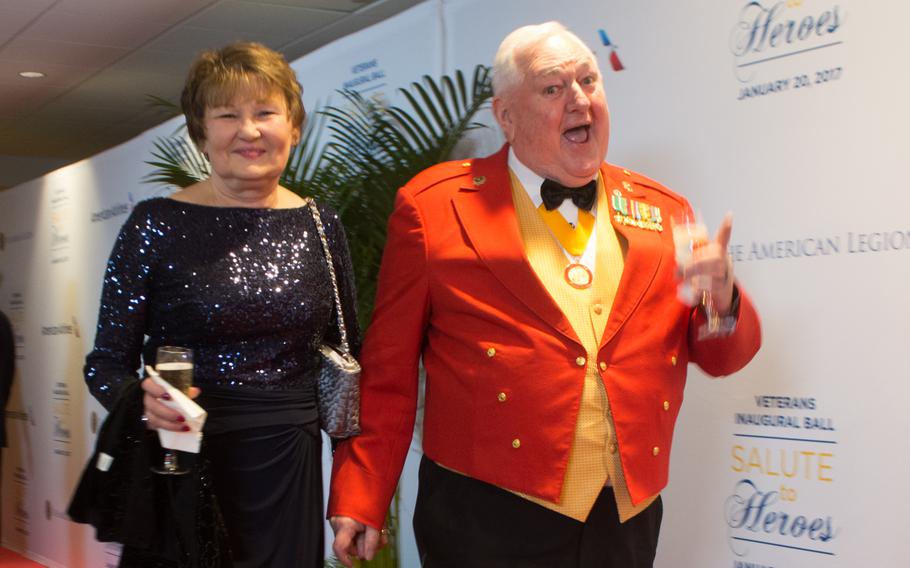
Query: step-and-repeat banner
(790, 114)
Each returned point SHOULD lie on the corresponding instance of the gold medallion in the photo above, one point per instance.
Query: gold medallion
(578, 276)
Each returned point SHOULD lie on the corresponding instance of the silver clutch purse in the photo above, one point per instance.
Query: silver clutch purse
(338, 393)
(338, 383)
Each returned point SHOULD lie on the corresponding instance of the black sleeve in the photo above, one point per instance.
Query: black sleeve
(115, 359)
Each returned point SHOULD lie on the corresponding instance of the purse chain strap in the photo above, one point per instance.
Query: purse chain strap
(328, 257)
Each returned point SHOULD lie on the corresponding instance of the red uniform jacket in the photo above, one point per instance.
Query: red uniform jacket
(455, 283)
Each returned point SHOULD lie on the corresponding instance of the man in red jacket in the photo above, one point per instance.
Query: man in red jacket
(539, 288)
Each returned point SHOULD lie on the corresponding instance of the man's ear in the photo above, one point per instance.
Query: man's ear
(503, 115)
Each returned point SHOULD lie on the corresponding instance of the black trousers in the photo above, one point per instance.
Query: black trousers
(461, 522)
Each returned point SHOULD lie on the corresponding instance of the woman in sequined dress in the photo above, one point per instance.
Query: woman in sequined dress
(233, 268)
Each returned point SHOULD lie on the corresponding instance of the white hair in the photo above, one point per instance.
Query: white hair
(506, 72)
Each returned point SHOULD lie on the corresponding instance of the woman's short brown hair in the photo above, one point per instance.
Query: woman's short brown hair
(216, 77)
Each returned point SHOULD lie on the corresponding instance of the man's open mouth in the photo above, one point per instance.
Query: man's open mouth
(579, 134)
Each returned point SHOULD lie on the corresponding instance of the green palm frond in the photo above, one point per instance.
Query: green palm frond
(176, 162)
(305, 158)
(443, 112)
(167, 107)
(373, 150)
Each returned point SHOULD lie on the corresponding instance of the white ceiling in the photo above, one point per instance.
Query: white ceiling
(102, 58)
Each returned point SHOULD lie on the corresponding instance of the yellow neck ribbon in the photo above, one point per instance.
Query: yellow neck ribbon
(573, 239)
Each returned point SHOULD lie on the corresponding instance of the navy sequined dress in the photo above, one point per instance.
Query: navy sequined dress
(249, 291)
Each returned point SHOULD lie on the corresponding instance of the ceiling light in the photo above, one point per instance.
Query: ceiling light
(31, 74)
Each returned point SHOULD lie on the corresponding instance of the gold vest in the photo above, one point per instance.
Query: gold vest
(594, 458)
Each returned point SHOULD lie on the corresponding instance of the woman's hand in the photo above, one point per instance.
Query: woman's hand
(159, 416)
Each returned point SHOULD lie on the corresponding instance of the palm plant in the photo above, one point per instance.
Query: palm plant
(372, 150)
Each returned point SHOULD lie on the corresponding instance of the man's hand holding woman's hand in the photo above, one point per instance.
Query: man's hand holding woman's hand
(354, 539)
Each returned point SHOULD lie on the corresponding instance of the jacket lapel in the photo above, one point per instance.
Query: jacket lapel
(485, 210)
(643, 258)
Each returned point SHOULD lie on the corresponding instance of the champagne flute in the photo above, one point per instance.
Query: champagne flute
(689, 233)
(174, 365)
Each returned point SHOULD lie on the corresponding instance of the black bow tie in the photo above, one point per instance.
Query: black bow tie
(554, 193)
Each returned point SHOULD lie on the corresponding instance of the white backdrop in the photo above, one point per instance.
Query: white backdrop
(798, 128)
